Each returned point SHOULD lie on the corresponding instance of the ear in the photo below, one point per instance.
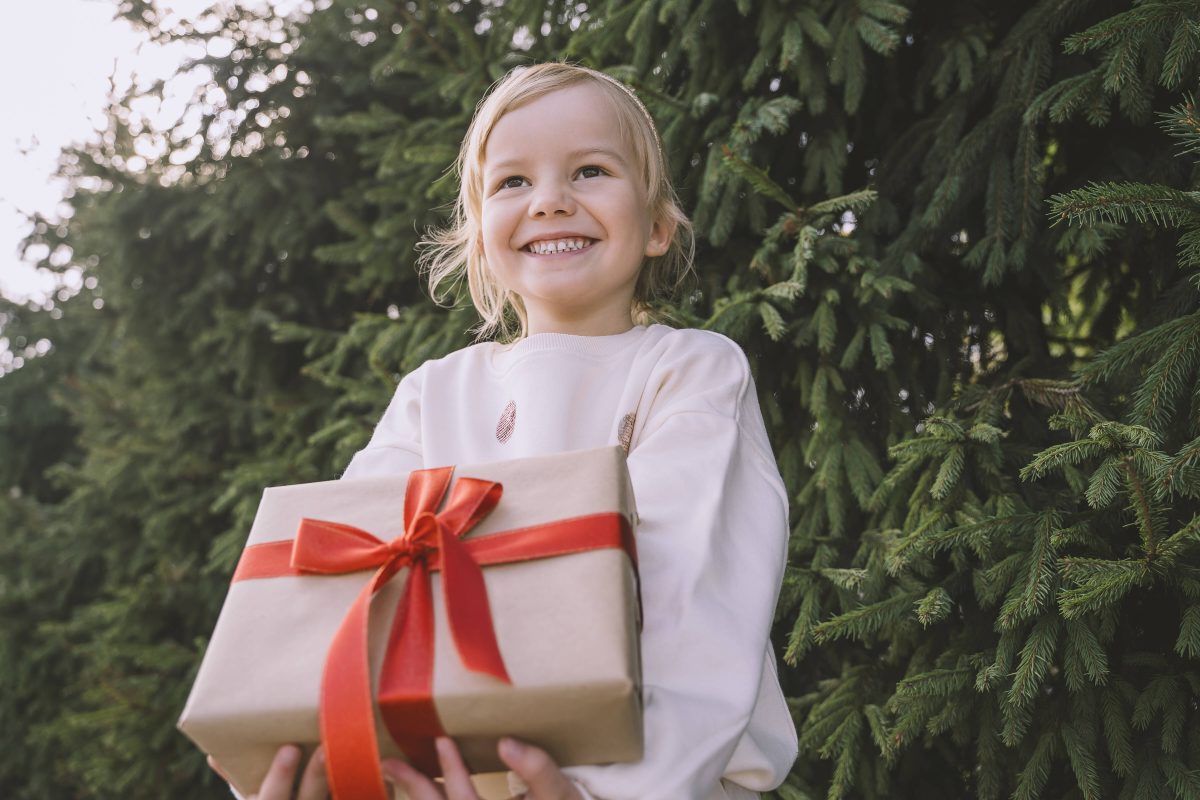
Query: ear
(661, 234)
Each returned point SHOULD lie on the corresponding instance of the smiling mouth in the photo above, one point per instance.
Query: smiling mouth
(549, 247)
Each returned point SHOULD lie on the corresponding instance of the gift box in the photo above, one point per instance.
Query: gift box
(480, 601)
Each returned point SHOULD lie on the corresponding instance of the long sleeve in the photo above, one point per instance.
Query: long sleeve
(711, 550)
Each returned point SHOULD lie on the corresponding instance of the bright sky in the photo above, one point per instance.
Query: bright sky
(59, 59)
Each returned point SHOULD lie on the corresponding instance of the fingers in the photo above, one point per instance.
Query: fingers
(282, 774)
(457, 777)
(454, 771)
(535, 766)
(313, 784)
(415, 785)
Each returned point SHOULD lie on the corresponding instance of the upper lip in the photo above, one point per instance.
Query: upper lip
(554, 236)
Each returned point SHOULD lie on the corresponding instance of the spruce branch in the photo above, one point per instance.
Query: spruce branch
(1112, 202)
(991, 582)
(846, 747)
(1117, 436)
(1061, 456)
(1105, 482)
(800, 638)
(1085, 658)
(857, 201)
(1173, 719)
(878, 726)
(1183, 123)
(1061, 100)
(1180, 54)
(773, 323)
(949, 472)
(846, 579)
(1166, 379)
(1081, 754)
(1034, 662)
(1062, 395)
(1033, 776)
(1189, 252)
(1173, 546)
(1181, 465)
(1000, 668)
(830, 713)
(864, 621)
(1184, 782)
(1028, 597)
(1118, 736)
(1160, 694)
(934, 606)
(1099, 583)
(1188, 642)
(762, 183)
(757, 178)
(1142, 506)
(1131, 353)
(917, 543)
(937, 683)
(1132, 27)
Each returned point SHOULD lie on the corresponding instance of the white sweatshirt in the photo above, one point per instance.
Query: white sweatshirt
(711, 538)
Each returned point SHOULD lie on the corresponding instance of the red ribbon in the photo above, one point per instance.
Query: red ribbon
(431, 541)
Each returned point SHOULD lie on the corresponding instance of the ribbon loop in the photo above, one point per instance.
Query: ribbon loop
(330, 547)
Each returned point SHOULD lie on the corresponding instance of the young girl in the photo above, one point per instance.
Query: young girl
(567, 222)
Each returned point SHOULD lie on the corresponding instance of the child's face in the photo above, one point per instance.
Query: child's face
(566, 223)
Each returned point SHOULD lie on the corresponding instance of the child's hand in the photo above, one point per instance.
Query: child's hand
(531, 764)
(282, 776)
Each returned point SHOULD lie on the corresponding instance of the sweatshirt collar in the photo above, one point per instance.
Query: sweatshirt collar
(591, 346)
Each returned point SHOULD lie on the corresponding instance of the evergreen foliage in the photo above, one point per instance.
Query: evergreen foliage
(960, 242)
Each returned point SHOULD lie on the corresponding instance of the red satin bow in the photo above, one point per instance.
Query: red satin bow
(405, 686)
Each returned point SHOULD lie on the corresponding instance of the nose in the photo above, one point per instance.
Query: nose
(551, 199)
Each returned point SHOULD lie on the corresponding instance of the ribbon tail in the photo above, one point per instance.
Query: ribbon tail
(347, 718)
(406, 681)
(468, 610)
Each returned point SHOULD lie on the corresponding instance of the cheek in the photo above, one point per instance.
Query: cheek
(491, 241)
(637, 214)
(495, 225)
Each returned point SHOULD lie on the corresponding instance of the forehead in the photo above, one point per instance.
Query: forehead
(576, 119)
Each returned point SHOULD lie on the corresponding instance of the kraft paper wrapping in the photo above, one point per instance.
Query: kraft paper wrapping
(566, 627)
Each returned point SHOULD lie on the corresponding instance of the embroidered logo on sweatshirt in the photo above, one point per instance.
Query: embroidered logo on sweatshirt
(625, 431)
(508, 421)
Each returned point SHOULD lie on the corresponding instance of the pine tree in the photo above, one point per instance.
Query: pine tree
(1020, 594)
(958, 241)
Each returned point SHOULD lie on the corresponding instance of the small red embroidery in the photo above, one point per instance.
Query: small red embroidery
(625, 431)
(508, 421)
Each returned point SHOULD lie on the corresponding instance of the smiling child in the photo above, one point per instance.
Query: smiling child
(567, 229)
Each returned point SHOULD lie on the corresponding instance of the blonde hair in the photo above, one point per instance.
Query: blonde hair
(457, 248)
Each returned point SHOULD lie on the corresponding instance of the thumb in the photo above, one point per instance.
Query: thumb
(537, 769)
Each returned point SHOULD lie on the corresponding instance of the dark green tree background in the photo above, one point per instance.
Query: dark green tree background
(960, 242)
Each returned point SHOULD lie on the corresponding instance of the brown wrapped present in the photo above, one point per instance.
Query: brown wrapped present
(373, 614)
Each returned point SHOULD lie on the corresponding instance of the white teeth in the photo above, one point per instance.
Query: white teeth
(556, 246)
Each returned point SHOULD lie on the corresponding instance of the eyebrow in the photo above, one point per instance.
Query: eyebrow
(571, 156)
